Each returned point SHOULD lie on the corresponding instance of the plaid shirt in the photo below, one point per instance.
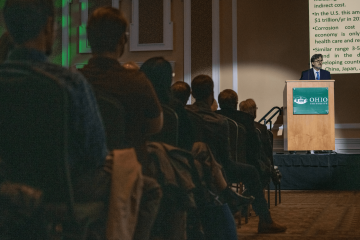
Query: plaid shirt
(87, 148)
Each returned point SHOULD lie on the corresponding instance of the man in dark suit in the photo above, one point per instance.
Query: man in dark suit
(316, 73)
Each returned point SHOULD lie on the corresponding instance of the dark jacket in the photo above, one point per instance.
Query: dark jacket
(309, 75)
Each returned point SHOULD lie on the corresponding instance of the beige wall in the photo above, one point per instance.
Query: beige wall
(226, 58)
(273, 46)
(201, 38)
(176, 55)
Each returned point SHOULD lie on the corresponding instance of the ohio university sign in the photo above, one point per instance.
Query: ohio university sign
(310, 101)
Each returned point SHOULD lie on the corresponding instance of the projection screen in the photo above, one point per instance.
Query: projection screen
(334, 30)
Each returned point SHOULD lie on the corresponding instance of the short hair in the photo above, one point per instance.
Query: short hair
(181, 91)
(316, 56)
(24, 19)
(248, 106)
(202, 86)
(228, 98)
(105, 28)
(159, 72)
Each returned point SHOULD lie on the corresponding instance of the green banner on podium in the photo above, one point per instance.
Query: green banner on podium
(310, 100)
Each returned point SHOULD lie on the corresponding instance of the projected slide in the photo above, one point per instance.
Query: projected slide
(335, 33)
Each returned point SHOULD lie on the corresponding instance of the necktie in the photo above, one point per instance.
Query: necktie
(317, 76)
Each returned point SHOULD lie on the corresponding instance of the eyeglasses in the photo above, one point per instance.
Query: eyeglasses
(318, 61)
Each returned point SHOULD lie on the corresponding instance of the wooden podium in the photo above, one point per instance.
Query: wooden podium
(303, 132)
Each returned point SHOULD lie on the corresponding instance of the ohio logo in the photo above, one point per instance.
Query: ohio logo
(300, 100)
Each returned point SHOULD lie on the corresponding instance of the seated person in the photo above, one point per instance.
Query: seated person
(216, 131)
(106, 29)
(249, 106)
(130, 87)
(181, 91)
(159, 72)
(31, 26)
(228, 100)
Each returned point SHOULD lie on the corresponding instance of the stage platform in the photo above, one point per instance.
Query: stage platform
(319, 171)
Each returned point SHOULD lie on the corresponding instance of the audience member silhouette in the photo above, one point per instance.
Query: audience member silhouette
(30, 24)
(216, 130)
(159, 72)
(249, 106)
(130, 87)
(255, 154)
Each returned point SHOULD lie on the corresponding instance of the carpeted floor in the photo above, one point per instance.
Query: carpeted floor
(311, 215)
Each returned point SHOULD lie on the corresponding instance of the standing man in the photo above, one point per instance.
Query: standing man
(316, 73)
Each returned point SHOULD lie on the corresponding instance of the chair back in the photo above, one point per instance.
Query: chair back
(259, 143)
(33, 131)
(241, 146)
(233, 137)
(271, 139)
(198, 124)
(113, 116)
(170, 131)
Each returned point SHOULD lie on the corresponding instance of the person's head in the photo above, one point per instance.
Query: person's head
(202, 87)
(106, 31)
(6, 45)
(248, 106)
(228, 99)
(131, 65)
(181, 91)
(316, 61)
(159, 72)
(30, 20)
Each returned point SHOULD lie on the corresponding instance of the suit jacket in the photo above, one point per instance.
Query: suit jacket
(309, 75)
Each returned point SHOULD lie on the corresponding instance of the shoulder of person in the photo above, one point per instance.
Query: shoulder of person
(70, 76)
(323, 70)
(245, 116)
